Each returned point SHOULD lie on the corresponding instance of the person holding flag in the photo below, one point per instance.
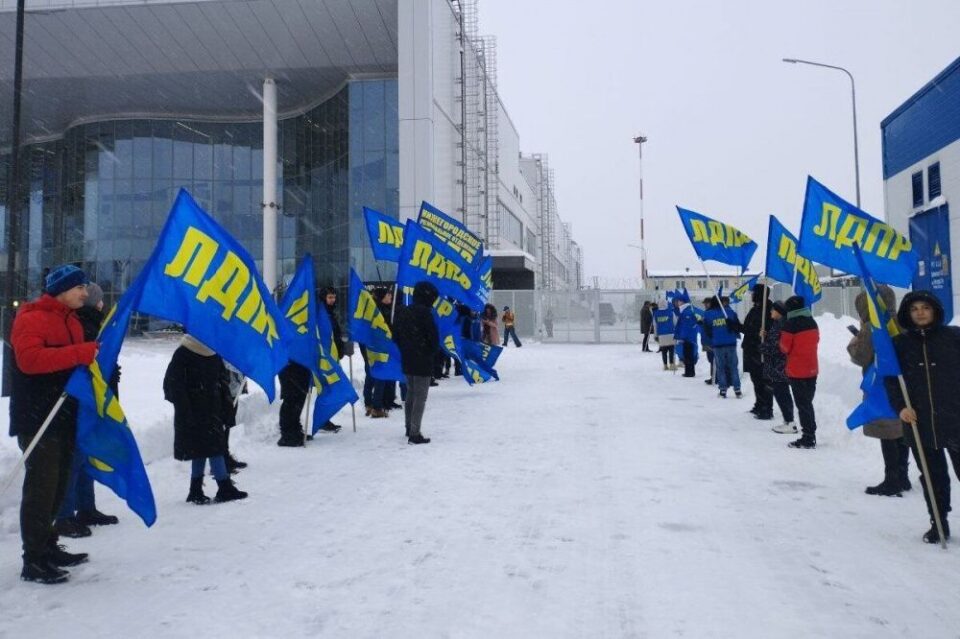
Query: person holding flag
(889, 430)
(799, 339)
(663, 327)
(928, 353)
(686, 334)
(415, 333)
(722, 327)
(48, 344)
(757, 317)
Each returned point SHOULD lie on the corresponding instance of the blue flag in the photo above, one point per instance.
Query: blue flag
(201, 277)
(876, 404)
(476, 359)
(831, 227)
(782, 259)
(485, 271)
(299, 307)
(425, 258)
(743, 290)
(334, 390)
(368, 327)
(713, 240)
(386, 235)
(104, 439)
(451, 232)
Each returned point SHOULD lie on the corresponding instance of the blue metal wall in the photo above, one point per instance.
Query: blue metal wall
(924, 124)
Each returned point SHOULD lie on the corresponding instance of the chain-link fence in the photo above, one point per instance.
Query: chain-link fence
(613, 316)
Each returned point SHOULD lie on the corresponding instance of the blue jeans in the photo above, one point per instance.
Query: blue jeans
(728, 373)
(79, 495)
(218, 468)
(509, 332)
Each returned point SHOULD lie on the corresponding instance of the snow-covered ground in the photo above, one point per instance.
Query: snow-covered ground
(588, 494)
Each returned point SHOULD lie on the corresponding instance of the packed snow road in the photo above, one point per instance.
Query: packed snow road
(588, 494)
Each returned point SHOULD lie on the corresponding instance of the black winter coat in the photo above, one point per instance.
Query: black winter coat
(774, 360)
(928, 354)
(199, 390)
(752, 361)
(415, 332)
(92, 319)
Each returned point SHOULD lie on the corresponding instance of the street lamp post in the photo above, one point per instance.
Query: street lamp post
(639, 140)
(853, 95)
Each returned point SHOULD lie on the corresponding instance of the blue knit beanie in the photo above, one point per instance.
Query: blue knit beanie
(63, 278)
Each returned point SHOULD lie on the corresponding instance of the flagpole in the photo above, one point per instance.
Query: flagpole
(763, 313)
(353, 405)
(716, 296)
(307, 426)
(33, 444)
(923, 463)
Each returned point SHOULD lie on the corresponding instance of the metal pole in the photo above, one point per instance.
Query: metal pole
(353, 405)
(34, 442)
(643, 251)
(13, 209)
(853, 95)
(270, 183)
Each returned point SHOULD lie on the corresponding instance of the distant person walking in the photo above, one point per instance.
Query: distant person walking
(646, 325)
(509, 327)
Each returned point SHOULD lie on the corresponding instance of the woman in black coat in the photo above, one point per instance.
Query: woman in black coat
(196, 383)
(752, 358)
(929, 356)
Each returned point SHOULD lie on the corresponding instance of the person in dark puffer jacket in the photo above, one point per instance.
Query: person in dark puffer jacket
(752, 360)
(799, 338)
(929, 356)
(774, 369)
(415, 332)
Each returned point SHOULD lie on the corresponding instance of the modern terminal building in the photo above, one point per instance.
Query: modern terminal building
(378, 103)
(921, 173)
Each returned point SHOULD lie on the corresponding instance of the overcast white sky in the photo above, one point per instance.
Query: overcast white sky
(733, 131)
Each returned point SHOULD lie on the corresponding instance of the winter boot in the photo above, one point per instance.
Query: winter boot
(367, 409)
(723, 394)
(804, 442)
(40, 570)
(708, 381)
(58, 556)
(228, 492)
(905, 484)
(233, 464)
(196, 495)
(95, 518)
(932, 536)
(291, 440)
(786, 428)
(330, 427)
(418, 439)
(71, 527)
(738, 393)
(763, 416)
(886, 488)
(377, 413)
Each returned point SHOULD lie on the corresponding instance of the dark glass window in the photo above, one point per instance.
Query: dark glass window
(917, 181)
(933, 180)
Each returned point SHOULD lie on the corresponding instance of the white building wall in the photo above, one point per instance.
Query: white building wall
(898, 200)
(513, 191)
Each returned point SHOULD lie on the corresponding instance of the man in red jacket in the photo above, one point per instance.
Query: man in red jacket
(48, 344)
(799, 338)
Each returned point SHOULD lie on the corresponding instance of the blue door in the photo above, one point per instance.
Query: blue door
(930, 234)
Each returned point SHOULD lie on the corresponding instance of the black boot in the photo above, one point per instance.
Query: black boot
(40, 570)
(887, 488)
(804, 442)
(418, 439)
(94, 517)
(228, 492)
(70, 527)
(330, 427)
(233, 464)
(291, 440)
(196, 495)
(932, 536)
(58, 556)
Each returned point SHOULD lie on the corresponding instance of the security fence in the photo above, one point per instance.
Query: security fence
(613, 316)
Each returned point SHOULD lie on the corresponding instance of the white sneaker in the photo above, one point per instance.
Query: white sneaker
(786, 428)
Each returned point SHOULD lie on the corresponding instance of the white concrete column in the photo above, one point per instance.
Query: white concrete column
(415, 88)
(270, 183)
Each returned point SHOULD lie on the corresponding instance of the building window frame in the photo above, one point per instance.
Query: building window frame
(916, 184)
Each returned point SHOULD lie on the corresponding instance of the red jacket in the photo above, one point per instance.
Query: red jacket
(48, 343)
(799, 338)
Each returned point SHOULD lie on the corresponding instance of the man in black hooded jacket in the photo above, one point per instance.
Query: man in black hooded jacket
(415, 332)
(929, 355)
(752, 358)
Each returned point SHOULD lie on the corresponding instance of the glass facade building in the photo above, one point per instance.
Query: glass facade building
(98, 196)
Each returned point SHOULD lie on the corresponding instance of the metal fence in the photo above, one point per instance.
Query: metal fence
(613, 316)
